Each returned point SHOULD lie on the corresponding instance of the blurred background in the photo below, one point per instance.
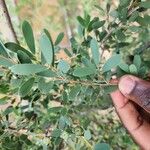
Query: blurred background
(60, 16)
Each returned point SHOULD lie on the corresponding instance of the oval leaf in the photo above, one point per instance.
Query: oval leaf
(27, 69)
(46, 49)
(26, 87)
(113, 62)
(84, 71)
(63, 66)
(23, 57)
(44, 86)
(15, 48)
(28, 35)
(95, 51)
(59, 38)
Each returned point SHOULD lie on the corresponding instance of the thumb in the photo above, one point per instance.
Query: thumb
(136, 90)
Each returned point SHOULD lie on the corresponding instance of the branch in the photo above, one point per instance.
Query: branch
(8, 19)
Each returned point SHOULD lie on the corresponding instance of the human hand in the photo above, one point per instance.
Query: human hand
(132, 103)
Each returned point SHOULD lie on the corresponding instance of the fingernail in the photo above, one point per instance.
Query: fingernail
(126, 85)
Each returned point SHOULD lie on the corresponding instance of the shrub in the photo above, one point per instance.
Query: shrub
(46, 98)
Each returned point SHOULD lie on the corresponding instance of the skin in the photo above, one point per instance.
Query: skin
(132, 103)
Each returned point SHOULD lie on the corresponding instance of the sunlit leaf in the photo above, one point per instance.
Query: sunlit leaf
(46, 49)
(27, 69)
(112, 62)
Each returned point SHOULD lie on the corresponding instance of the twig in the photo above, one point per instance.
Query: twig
(111, 30)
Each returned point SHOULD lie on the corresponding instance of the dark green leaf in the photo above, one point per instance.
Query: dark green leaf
(23, 57)
(95, 51)
(98, 24)
(109, 89)
(46, 49)
(27, 69)
(134, 16)
(59, 38)
(81, 21)
(67, 52)
(84, 71)
(26, 87)
(112, 62)
(28, 35)
(5, 62)
(120, 35)
(15, 47)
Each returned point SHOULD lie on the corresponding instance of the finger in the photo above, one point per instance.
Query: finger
(132, 120)
(136, 90)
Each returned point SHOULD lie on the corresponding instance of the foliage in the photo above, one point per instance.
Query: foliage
(46, 98)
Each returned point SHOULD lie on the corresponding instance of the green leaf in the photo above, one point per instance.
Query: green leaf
(101, 146)
(134, 16)
(74, 92)
(56, 133)
(98, 24)
(15, 48)
(124, 67)
(109, 89)
(137, 61)
(27, 69)
(5, 62)
(3, 50)
(133, 69)
(59, 38)
(62, 123)
(26, 87)
(145, 4)
(23, 57)
(114, 14)
(63, 66)
(124, 3)
(87, 134)
(111, 63)
(84, 71)
(47, 73)
(81, 21)
(99, 8)
(3, 101)
(95, 51)
(120, 35)
(28, 35)
(46, 49)
(44, 86)
(68, 52)
(143, 21)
